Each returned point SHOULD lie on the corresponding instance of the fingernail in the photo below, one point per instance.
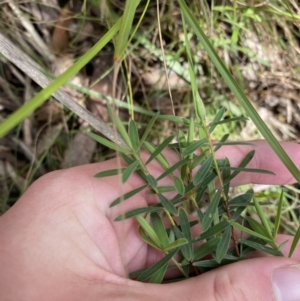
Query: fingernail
(286, 283)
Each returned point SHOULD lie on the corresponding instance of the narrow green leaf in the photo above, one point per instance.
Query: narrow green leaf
(186, 249)
(185, 224)
(109, 173)
(212, 231)
(147, 239)
(152, 182)
(159, 228)
(198, 160)
(127, 195)
(295, 242)
(233, 143)
(177, 243)
(217, 119)
(191, 131)
(223, 245)
(109, 144)
(257, 227)
(243, 163)
(160, 148)
(222, 140)
(193, 147)
(233, 119)
(206, 248)
(225, 175)
(278, 215)
(160, 158)
(175, 119)
(159, 275)
(173, 168)
(179, 185)
(203, 170)
(211, 210)
(136, 212)
(148, 128)
(148, 229)
(242, 199)
(129, 171)
(262, 217)
(162, 189)
(260, 247)
(243, 169)
(167, 204)
(133, 135)
(120, 126)
(153, 269)
(249, 231)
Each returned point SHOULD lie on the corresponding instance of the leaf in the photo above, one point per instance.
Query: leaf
(162, 189)
(243, 169)
(185, 224)
(173, 168)
(120, 126)
(225, 175)
(243, 163)
(175, 119)
(159, 228)
(228, 120)
(178, 184)
(203, 170)
(147, 239)
(242, 199)
(186, 249)
(278, 215)
(257, 227)
(260, 247)
(211, 210)
(222, 140)
(149, 230)
(160, 158)
(148, 128)
(262, 217)
(136, 212)
(129, 171)
(177, 243)
(158, 276)
(206, 248)
(153, 269)
(223, 245)
(160, 148)
(127, 195)
(133, 135)
(221, 226)
(151, 181)
(109, 173)
(109, 144)
(193, 147)
(217, 118)
(295, 242)
(167, 204)
(249, 231)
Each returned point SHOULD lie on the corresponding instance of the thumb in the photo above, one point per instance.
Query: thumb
(267, 279)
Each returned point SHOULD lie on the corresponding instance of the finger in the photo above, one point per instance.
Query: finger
(268, 279)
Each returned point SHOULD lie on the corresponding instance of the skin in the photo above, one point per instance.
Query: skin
(59, 241)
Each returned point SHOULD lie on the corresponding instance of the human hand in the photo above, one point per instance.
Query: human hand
(60, 241)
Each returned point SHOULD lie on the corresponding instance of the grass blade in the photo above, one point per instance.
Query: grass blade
(295, 242)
